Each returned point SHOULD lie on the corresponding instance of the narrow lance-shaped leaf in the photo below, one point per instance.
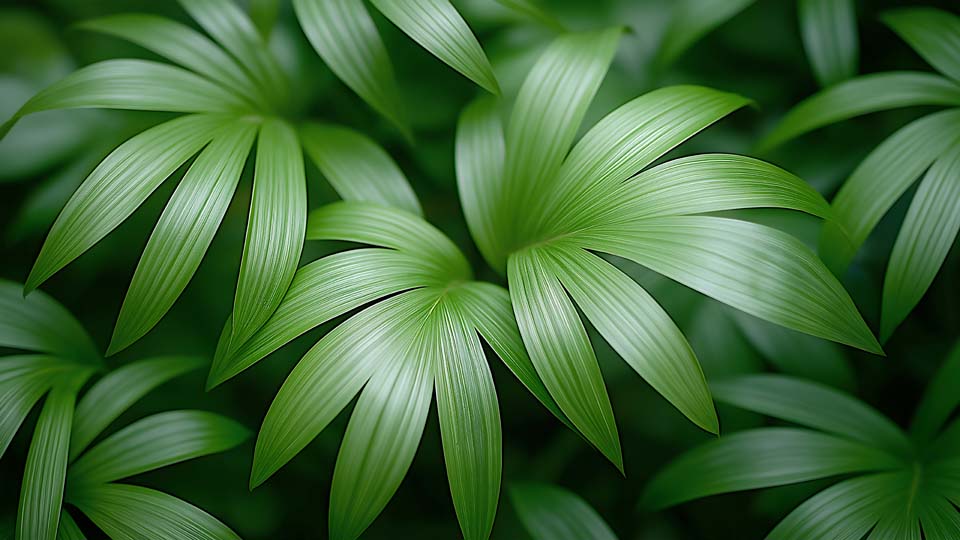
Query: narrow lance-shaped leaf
(927, 234)
(552, 513)
(121, 182)
(39, 323)
(934, 33)
(829, 31)
(69, 530)
(438, 27)
(939, 400)
(344, 35)
(275, 229)
(23, 381)
(692, 19)
(183, 233)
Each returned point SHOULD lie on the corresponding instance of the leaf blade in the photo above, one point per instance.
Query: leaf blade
(552, 513)
(933, 33)
(829, 31)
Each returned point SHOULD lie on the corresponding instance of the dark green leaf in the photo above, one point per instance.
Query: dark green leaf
(829, 31)
(692, 19)
(39, 323)
(934, 33)
(552, 513)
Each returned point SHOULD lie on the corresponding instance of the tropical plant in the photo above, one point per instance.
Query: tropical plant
(930, 144)
(541, 215)
(552, 513)
(904, 485)
(60, 468)
(828, 29)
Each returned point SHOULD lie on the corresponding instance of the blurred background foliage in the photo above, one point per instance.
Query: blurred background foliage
(758, 53)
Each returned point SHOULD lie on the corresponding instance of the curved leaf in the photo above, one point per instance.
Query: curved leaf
(23, 381)
(939, 400)
(121, 182)
(862, 95)
(933, 33)
(183, 233)
(39, 323)
(69, 530)
(438, 27)
(552, 513)
(829, 31)
(692, 19)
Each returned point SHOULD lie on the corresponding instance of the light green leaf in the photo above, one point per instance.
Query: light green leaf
(264, 15)
(755, 268)
(121, 182)
(479, 163)
(39, 323)
(113, 394)
(275, 228)
(939, 400)
(469, 420)
(862, 95)
(933, 33)
(639, 330)
(880, 180)
(488, 307)
(813, 405)
(69, 530)
(384, 432)
(181, 44)
(552, 513)
(320, 291)
(547, 113)
(138, 513)
(344, 35)
(829, 31)
(41, 493)
(132, 84)
(438, 27)
(183, 234)
(845, 511)
(357, 167)
(927, 234)
(154, 442)
(760, 458)
(23, 381)
(330, 374)
(560, 349)
(693, 19)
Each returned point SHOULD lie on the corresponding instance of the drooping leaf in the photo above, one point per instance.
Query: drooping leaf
(560, 349)
(183, 233)
(39, 323)
(438, 27)
(692, 19)
(114, 393)
(862, 95)
(829, 31)
(357, 168)
(933, 33)
(751, 267)
(552, 513)
(138, 513)
(118, 186)
(939, 400)
(23, 381)
(880, 180)
(154, 442)
(275, 228)
(344, 35)
(927, 234)
(761, 458)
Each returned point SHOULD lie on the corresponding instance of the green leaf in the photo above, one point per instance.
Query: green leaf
(41, 493)
(39, 323)
(845, 511)
(829, 31)
(113, 394)
(693, 19)
(69, 530)
(639, 330)
(438, 27)
(927, 234)
(760, 458)
(862, 95)
(939, 400)
(275, 228)
(23, 381)
(357, 167)
(552, 513)
(154, 442)
(534, 12)
(469, 420)
(330, 374)
(488, 307)
(181, 44)
(132, 84)
(344, 35)
(138, 513)
(384, 431)
(933, 33)
(813, 405)
(552, 101)
(938, 517)
(754, 268)
(121, 182)
(880, 180)
(479, 163)
(184, 233)
(264, 15)
(560, 349)
(319, 292)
